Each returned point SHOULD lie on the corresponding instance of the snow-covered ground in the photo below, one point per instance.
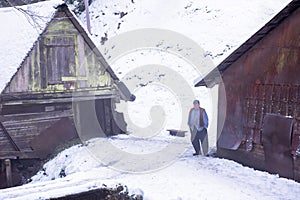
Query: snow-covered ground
(187, 177)
(169, 46)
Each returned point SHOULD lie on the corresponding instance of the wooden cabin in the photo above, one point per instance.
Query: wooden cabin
(259, 97)
(62, 88)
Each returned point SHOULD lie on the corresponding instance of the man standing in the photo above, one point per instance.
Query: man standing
(198, 123)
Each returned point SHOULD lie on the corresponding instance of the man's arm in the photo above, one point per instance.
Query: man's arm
(205, 119)
(189, 119)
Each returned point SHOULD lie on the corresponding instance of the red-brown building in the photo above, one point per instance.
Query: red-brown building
(259, 85)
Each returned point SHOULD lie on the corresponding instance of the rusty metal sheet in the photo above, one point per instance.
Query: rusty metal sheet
(296, 137)
(57, 134)
(229, 140)
(277, 133)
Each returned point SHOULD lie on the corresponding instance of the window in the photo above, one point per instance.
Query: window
(60, 58)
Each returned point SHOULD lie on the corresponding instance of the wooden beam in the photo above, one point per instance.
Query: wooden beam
(108, 116)
(9, 180)
(17, 98)
(87, 15)
(9, 138)
(79, 78)
(107, 95)
(11, 119)
(17, 155)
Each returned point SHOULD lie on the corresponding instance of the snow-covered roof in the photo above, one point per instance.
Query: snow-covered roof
(20, 28)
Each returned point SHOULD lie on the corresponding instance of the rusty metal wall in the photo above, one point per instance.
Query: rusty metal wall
(274, 60)
(264, 79)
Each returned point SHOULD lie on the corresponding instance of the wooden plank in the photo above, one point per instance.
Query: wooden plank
(9, 137)
(71, 70)
(60, 132)
(59, 40)
(81, 56)
(61, 100)
(17, 155)
(5, 145)
(12, 120)
(99, 106)
(23, 136)
(23, 130)
(8, 171)
(63, 61)
(35, 77)
(50, 68)
(23, 109)
(74, 78)
(43, 62)
(20, 97)
(59, 58)
(108, 116)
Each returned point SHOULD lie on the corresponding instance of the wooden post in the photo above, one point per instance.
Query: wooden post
(108, 116)
(7, 164)
(87, 15)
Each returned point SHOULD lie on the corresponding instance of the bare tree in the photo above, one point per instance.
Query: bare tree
(33, 18)
(10, 3)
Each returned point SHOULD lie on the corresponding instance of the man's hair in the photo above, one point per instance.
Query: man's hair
(196, 102)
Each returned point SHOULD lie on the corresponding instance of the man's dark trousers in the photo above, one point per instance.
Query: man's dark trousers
(202, 136)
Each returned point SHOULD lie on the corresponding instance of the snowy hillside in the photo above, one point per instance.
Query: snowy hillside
(217, 26)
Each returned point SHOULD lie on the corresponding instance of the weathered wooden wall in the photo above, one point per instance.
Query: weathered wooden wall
(60, 60)
(263, 80)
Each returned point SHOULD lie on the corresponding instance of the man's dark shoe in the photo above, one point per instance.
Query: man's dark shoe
(195, 154)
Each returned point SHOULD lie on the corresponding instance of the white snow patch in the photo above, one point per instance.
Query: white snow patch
(187, 177)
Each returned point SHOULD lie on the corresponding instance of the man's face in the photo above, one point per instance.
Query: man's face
(196, 106)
